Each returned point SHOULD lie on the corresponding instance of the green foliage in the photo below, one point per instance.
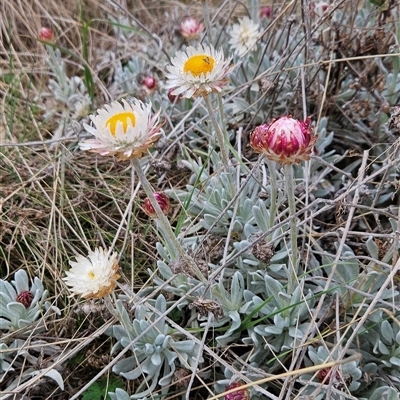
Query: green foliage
(99, 390)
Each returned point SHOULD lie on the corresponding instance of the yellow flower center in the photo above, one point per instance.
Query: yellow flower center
(91, 275)
(200, 64)
(120, 117)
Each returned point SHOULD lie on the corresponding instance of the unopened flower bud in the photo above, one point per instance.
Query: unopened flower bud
(265, 12)
(190, 28)
(172, 97)
(25, 298)
(318, 9)
(285, 140)
(46, 34)
(163, 202)
(324, 375)
(240, 394)
(149, 83)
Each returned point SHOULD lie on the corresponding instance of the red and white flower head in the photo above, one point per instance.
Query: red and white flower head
(265, 12)
(25, 297)
(240, 394)
(149, 84)
(172, 98)
(46, 34)
(93, 276)
(190, 28)
(197, 71)
(318, 9)
(286, 140)
(325, 375)
(162, 200)
(125, 130)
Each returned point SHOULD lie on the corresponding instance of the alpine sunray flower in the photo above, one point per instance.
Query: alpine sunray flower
(198, 71)
(93, 276)
(244, 36)
(126, 130)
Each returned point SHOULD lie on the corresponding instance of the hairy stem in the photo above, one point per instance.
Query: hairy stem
(207, 21)
(290, 184)
(220, 135)
(274, 193)
(169, 236)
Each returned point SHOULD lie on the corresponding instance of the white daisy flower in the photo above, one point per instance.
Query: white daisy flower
(93, 276)
(197, 71)
(244, 36)
(125, 130)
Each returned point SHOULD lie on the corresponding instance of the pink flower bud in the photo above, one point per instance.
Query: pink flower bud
(162, 200)
(285, 140)
(172, 97)
(149, 84)
(25, 298)
(324, 375)
(46, 34)
(318, 9)
(240, 394)
(265, 12)
(190, 28)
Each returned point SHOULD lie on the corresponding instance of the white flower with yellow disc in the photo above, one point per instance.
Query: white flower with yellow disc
(198, 71)
(244, 36)
(126, 130)
(93, 276)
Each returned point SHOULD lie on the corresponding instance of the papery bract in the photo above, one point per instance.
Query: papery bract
(190, 28)
(266, 12)
(149, 83)
(286, 140)
(25, 298)
(240, 394)
(46, 34)
(162, 200)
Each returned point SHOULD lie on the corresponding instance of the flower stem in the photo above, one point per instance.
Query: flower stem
(290, 184)
(220, 135)
(274, 193)
(169, 236)
(207, 21)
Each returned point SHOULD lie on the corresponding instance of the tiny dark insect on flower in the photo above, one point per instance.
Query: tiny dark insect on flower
(206, 60)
